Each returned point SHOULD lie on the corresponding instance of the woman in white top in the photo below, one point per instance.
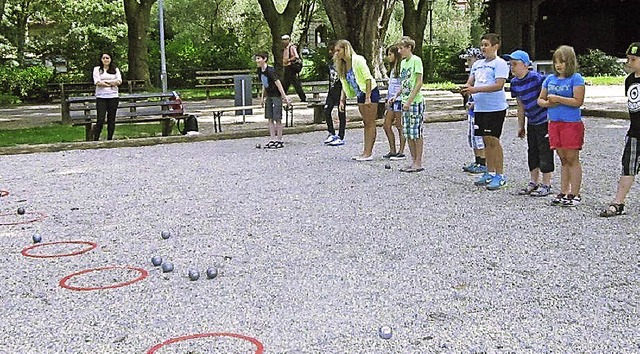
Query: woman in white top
(107, 78)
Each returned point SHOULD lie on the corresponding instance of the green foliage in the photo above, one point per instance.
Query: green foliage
(598, 63)
(7, 99)
(316, 65)
(605, 80)
(25, 83)
(444, 64)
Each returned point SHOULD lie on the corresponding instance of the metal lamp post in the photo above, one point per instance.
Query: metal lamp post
(163, 61)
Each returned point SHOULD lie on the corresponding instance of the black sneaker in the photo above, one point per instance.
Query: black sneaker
(388, 155)
(398, 156)
(279, 145)
(270, 145)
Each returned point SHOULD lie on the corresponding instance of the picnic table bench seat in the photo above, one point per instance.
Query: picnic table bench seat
(133, 108)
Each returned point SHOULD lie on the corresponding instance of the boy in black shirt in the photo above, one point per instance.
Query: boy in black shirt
(631, 154)
(271, 99)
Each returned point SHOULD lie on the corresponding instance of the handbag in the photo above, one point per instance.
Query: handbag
(190, 125)
(296, 64)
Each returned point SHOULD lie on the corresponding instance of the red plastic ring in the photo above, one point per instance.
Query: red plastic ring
(259, 346)
(92, 245)
(63, 281)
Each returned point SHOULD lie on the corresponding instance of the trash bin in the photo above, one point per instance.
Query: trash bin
(243, 97)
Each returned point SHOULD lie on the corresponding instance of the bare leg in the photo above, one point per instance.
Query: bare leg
(388, 122)
(272, 130)
(494, 153)
(575, 170)
(624, 185)
(397, 116)
(417, 161)
(369, 113)
(535, 176)
(279, 129)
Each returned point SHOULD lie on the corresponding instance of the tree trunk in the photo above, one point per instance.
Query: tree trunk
(361, 22)
(415, 21)
(307, 12)
(279, 24)
(138, 14)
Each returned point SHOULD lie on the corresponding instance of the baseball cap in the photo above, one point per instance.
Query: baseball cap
(472, 53)
(634, 49)
(520, 55)
(285, 37)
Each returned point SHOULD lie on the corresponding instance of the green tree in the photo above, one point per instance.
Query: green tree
(138, 15)
(279, 23)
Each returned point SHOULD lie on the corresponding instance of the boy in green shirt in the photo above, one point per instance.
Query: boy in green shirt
(411, 72)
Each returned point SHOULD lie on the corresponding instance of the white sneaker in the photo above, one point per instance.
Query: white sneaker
(336, 142)
(362, 158)
(330, 139)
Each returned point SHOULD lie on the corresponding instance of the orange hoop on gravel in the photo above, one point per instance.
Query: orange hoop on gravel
(38, 216)
(92, 245)
(63, 281)
(259, 346)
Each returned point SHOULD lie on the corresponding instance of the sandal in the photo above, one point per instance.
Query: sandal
(613, 210)
(528, 189)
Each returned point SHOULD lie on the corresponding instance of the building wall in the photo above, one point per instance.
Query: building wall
(540, 26)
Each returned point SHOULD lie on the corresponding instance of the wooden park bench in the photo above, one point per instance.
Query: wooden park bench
(63, 90)
(217, 113)
(132, 108)
(318, 109)
(209, 79)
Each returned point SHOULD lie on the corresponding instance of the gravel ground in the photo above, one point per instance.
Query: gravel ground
(316, 252)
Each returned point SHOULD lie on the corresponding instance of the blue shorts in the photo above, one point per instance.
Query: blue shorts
(375, 96)
(412, 121)
(396, 106)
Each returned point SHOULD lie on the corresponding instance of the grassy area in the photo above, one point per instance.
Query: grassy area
(58, 133)
(605, 80)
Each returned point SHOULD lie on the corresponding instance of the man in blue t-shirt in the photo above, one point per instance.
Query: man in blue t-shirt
(525, 88)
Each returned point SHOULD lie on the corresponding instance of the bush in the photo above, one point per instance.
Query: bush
(316, 65)
(598, 63)
(25, 83)
(6, 99)
(445, 65)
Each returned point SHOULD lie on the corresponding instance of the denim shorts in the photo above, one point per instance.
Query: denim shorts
(375, 96)
(273, 108)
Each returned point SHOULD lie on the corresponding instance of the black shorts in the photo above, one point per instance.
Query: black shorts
(631, 156)
(489, 123)
(539, 153)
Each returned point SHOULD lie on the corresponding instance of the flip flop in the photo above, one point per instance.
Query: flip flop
(411, 169)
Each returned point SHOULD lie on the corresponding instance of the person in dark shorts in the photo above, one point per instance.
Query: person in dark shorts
(525, 88)
(486, 85)
(631, 154)
(271, 99)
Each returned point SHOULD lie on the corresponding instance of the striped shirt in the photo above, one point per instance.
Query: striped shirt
(527, 90)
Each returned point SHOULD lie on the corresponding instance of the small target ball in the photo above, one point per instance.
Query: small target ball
(156, 261)
(165, 234)
(212, 273)
(21, 211)
(167, 267)
(258, 146)
(194, 274)
(387, 167)
(385, 332)
(37, 238)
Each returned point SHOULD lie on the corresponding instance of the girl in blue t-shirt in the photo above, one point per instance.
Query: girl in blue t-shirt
(393, 116)
(563, 94)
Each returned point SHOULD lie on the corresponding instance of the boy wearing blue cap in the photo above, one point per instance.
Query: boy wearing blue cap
(631, 154)
(525, 88)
